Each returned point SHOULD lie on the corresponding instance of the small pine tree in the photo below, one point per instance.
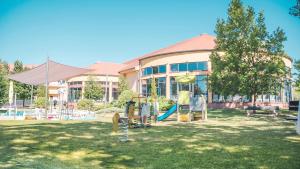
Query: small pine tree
(153, 89)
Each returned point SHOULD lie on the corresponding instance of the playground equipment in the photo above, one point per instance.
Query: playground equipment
(172, 110)
(143, 119)
(190, 106)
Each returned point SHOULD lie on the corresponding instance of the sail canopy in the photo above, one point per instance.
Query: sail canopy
(41, 75)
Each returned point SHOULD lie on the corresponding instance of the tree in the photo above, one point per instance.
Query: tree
(22, 90)
(124, 97)
(41, 91)
(122, 85)
(3, 82)
(153, 89)
(247, 59)
(93, 90)
(295, 10)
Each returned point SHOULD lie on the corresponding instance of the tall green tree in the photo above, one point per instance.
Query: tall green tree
(22, 90)
(122, 84)
(93, 90)
(153, 89)
(3, 82)
(247, 59)
(295, 10)
(297, 74)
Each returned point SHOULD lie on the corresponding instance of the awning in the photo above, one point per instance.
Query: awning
(39, 74)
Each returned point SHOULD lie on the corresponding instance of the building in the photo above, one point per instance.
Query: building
(190, 56)
(104, 73)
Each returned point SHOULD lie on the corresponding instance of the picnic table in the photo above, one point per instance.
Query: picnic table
(272, 109)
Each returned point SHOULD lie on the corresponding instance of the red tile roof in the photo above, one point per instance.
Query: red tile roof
(105, 68)
(201, 42)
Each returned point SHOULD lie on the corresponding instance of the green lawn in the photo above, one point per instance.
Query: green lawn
(227, 140)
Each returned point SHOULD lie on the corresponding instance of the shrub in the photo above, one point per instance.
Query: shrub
(125, 96)
(40, 102)
(85, 104)
(164, 103)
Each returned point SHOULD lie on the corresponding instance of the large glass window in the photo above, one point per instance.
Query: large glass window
(173, 88)
(161, 86)
(149, 70)
(200, 86)
(162, 69)
(174, 68)
(192, 66)
(74, 94)
(155, 69)
(115, 93)
(144, 72)
(197, 88)
(202, 65)
(183, 67)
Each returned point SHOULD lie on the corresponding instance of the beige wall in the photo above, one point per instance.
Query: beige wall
(132, 79)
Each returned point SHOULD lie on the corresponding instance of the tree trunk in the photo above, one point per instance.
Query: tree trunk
(23, 103)
(254, 103)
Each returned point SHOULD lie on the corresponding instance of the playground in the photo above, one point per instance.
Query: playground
(228, 139)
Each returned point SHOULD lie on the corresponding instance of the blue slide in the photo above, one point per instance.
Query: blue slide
(168, 113)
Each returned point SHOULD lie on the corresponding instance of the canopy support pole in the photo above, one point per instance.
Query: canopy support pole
(31, 96)
(46, 92)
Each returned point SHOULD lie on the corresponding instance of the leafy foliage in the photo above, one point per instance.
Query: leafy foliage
(85, 104)
(93, 90)
(123, 84)
(125, 96)
(23, 90)
(3, 82)
(40, 92)
(295, 10)
(247, 60)
(40, 102)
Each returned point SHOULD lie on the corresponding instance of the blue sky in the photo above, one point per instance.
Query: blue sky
(81, 32)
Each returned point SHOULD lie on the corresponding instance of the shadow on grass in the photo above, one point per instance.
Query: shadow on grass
(229, 140)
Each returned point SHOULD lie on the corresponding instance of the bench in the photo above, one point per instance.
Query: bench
(272, 109)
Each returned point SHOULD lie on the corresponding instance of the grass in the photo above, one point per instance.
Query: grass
(227, 140)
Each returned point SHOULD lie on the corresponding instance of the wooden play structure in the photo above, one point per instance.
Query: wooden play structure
(190, 107)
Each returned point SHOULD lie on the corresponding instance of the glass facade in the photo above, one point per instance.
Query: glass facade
(283, 95)
(189, 66)
(74, 94)
(154, 70)
(197, 88)
(160, 87)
